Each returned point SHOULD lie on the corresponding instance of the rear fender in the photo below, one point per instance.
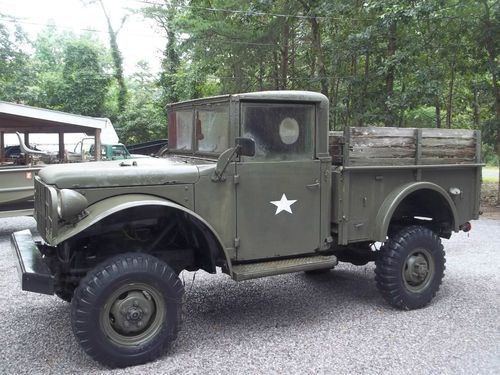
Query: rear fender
(394, 199)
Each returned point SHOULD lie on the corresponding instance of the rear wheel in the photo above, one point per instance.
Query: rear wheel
(410, 268)
(127, 310)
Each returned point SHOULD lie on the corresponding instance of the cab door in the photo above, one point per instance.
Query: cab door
(278, 190)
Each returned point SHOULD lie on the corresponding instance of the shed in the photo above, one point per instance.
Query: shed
(28, 120)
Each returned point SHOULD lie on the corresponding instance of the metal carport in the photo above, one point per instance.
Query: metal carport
(28, 120)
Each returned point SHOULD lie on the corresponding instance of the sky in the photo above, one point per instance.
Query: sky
(139, 39)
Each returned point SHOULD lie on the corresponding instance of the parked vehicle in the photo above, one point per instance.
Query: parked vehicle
(16, 177)
(85, 151)
(251, 186)
(148, 148)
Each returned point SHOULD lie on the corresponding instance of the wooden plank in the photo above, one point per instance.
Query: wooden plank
(448, 143)
(384, 142)
(395, 152)
(335, 141)
(427, 161)
(468, 152)
(382, 132)
(335, 133)
(381, 161)
(448, 133)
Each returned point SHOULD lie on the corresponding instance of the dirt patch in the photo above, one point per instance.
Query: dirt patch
(489, 203)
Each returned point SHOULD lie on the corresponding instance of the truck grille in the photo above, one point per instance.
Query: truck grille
(43, 204)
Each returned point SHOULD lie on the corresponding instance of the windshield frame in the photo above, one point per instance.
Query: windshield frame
(195, 106)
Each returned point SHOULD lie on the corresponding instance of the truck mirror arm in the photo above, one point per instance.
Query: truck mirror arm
(224, 159)
(244, 146)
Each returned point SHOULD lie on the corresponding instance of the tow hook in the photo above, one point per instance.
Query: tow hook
(465, 227)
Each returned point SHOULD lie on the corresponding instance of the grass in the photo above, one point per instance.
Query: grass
(490, 174)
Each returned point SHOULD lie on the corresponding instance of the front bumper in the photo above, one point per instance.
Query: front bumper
(34, 273)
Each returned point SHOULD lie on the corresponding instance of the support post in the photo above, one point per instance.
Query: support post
(27, 139)
(62, 154)
(97, 143)
(2, 146)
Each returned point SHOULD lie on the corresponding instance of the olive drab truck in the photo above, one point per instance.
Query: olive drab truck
(251, 185)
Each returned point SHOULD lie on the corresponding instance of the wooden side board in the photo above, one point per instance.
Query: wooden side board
(403, 146)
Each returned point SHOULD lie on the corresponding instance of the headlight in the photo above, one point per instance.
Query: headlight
(70, 203)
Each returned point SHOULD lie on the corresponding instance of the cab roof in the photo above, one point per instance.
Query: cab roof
(267, 96)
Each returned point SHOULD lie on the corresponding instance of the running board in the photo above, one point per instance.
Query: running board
(255, 270)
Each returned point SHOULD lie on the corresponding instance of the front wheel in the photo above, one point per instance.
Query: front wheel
(410, 268)
(127, 310)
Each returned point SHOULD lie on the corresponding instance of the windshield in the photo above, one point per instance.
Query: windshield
(202, 129)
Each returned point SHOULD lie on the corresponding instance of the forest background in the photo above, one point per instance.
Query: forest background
(427, 63)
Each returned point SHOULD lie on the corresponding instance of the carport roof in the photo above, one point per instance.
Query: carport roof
(26, 119)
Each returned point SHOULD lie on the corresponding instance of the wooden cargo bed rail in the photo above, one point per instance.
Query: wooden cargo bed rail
(404, 147)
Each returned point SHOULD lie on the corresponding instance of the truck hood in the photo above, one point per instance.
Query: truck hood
(148, 171)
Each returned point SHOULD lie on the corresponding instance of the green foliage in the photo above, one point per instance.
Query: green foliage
(84, 87)
(144, 118)
(14, 63)
(489, 155)
(430, 63)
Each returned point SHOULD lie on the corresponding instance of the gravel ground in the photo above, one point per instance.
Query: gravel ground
(330, 323)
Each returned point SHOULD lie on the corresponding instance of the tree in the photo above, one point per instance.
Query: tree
(116, 54)
(85, 83)
(15, 70)
(489, 32)
(144, 118)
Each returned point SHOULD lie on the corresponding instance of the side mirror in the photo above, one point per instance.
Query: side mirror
(245, 146)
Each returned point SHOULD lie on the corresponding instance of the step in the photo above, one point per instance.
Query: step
(276, 267)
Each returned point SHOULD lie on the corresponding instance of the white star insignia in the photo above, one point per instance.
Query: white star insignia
(283, 204)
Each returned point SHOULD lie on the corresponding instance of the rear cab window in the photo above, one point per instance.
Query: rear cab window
(281, 131)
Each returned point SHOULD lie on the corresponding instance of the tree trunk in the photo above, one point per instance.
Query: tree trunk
(476, 114)
(438, 114)
(389, 79)
(449, 104)
(285, 55)
(401, 115)
(276, 71)
(293, 83)
(364, 94)
(334, 100)
(491, 48)
(316, 37)
(117, 61)
(261, 75)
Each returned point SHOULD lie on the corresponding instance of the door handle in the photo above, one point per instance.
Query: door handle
(313, 186)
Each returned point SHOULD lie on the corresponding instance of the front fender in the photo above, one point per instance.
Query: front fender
(394, 199)
(109, 206)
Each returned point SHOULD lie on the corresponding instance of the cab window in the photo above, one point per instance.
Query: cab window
(212, 129)
(280, 131)
(180, 130)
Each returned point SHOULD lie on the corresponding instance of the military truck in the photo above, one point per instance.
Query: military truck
(252, 185)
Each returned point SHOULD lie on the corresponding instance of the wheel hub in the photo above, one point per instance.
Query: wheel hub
(132, 313)
(418, 270)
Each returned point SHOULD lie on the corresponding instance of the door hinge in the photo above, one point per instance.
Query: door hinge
(236, 179)
(236, 242)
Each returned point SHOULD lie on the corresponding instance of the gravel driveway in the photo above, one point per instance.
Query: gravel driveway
(293, 324)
